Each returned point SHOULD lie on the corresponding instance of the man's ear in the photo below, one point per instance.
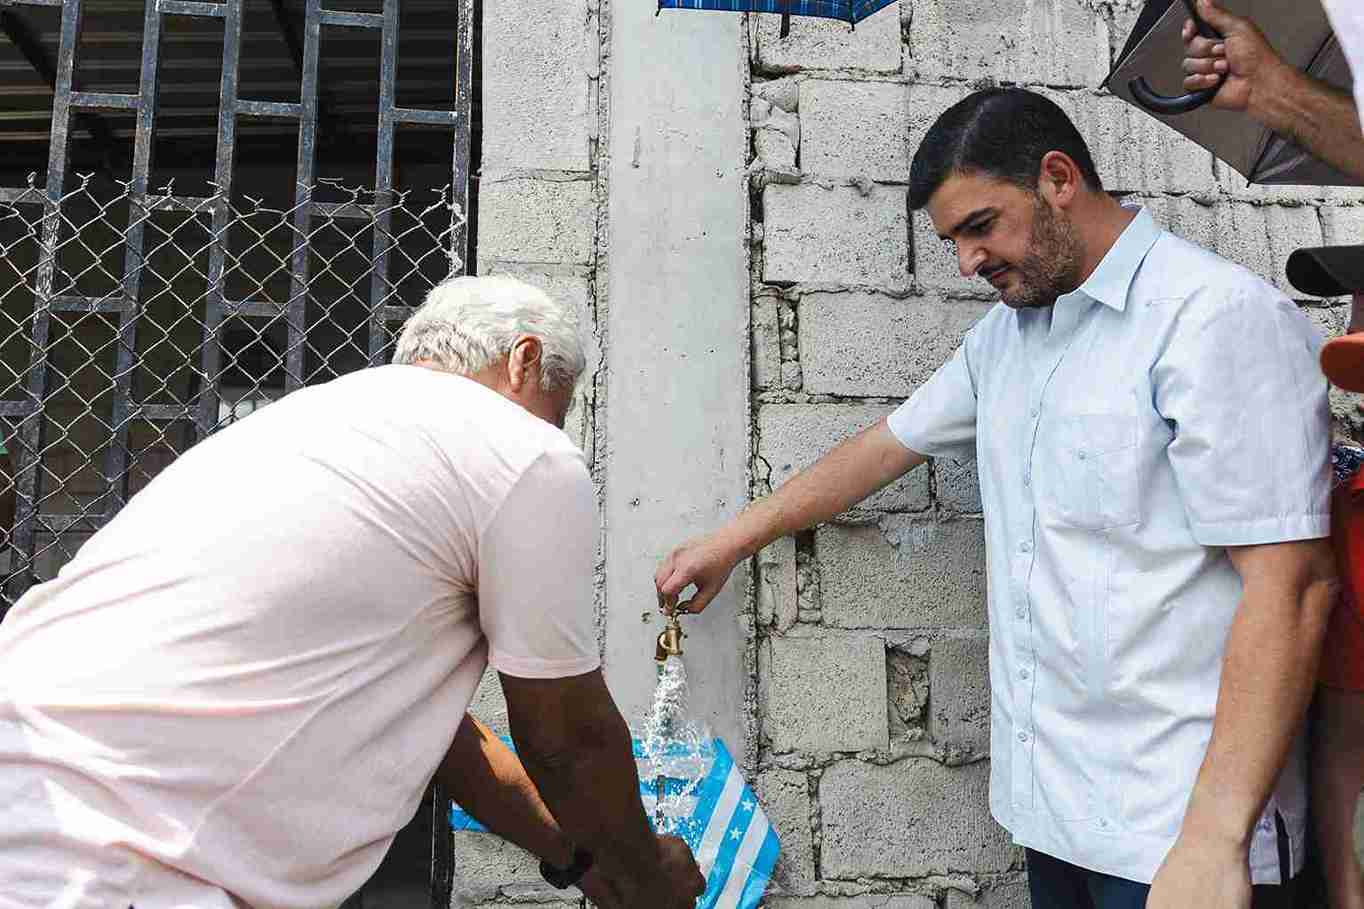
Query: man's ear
(523, 361)
(1059, 179)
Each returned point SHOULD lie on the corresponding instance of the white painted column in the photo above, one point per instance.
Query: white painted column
(677, 428)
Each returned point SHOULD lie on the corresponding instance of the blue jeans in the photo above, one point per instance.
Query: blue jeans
(1055, 884)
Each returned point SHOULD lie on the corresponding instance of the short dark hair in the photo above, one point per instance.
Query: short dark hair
(1002, 132)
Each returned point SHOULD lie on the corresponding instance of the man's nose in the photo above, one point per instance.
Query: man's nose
(969, 259)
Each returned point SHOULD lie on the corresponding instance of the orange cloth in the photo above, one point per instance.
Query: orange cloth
(1342, 657)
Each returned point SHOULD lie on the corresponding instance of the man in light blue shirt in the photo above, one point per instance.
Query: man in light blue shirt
(1151, 433)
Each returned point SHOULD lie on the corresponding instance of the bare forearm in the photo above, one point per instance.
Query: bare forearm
(591, 786)
(839, 480)
(1319, 118)
(1268, 676)
(489, 782)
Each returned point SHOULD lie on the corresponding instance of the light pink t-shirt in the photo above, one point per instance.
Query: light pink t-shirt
(238, 690)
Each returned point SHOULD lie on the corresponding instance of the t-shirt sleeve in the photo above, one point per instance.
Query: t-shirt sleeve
(939, 419)
(1239, 382)
(535, 573)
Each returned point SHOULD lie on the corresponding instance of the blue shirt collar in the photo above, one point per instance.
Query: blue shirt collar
(1112, 279)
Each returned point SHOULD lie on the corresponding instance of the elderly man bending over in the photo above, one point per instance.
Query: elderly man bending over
(238, 690)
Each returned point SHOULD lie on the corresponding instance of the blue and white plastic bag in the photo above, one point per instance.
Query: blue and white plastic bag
(727, 830)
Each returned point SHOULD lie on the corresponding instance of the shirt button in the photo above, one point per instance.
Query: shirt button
(1103, 822)
(1027, 479)
(1022, 673)
(1020, 612)
(1033, 413)
(1023, 737)
(1025, 546)
(1081, 454)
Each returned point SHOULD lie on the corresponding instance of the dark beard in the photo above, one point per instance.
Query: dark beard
(1052, 264)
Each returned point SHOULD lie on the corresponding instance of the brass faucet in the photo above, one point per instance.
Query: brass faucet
(669, 641)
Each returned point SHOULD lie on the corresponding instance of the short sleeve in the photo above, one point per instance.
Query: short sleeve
(1239, 382)
(536, 560)
(1347, 21)
(939, 419)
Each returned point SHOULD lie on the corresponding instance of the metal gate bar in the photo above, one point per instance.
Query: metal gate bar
(206, 416)
(383, 178)
(464, 115)
(28, 460)
(116, 458)
(307, 160)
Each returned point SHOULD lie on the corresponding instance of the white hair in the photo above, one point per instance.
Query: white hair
(467, 324)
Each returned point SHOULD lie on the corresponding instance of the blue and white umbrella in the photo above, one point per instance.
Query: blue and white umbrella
(734, 843)
(850, 11)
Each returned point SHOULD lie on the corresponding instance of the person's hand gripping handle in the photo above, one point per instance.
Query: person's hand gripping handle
(706, 562)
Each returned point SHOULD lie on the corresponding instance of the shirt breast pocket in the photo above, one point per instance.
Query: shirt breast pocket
(1095, 471)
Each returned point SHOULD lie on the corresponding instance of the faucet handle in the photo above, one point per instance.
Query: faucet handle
(669, 642)
(667, 604)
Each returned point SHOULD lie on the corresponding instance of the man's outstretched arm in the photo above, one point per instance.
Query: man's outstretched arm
(845, 476)
(1319, 118)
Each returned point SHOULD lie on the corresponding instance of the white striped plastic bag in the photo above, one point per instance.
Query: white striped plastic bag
(727, 830)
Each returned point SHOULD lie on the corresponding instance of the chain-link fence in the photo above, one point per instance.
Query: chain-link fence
(133, 326)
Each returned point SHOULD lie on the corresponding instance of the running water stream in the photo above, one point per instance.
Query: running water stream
(676, 755)
(676, 751)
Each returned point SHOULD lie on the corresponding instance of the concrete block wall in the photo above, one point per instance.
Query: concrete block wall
(874, 687)
(540, 199)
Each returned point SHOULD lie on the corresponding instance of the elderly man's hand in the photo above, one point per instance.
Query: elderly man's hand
(1243, 56)
(601, 891)
(681, 881)
(676, 883)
